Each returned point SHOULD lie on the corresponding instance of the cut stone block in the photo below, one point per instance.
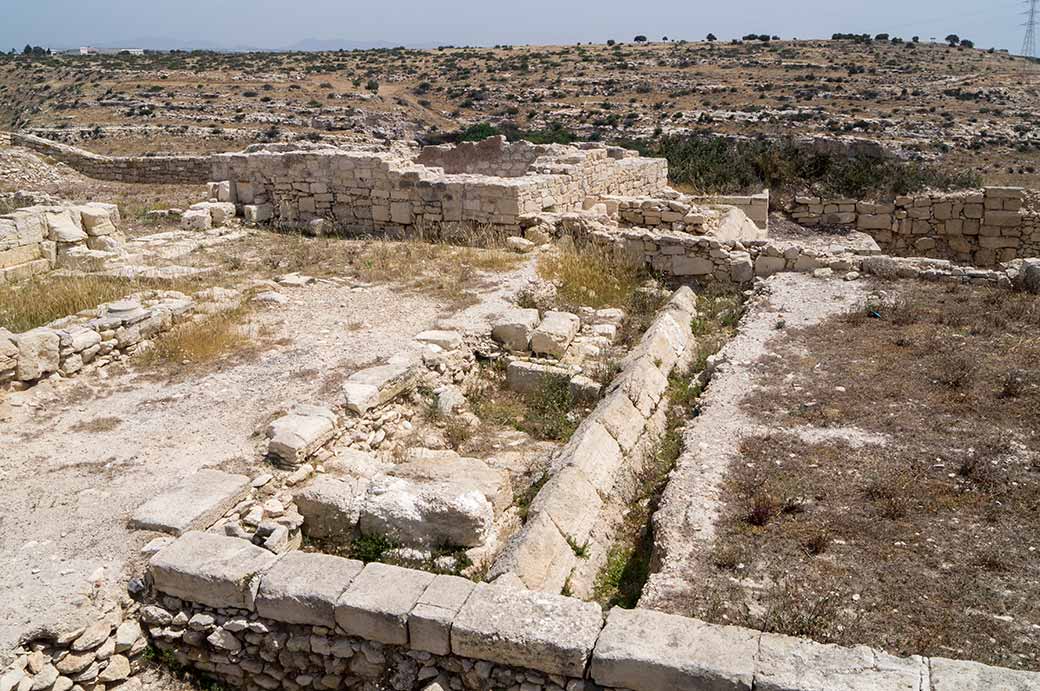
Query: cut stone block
(493, 483)
(449, 340)
(211, 570)
(555, 333)
(620, 417)
(592, 450)
(196, 219)
(961, 675)
(427, 514)
(376, 604)
(531, 377)
(97, 221)
(571, 502)
(305, 429)
(303, 588)
(220, 212)
(548, 633)
(513, 331)
(194, 504)
(257, 213)
(644, 650)
(61, 228)
(429, 624)
(539, 556)
(38, 353)
(785, 662)
(331, 507)
(376, 386)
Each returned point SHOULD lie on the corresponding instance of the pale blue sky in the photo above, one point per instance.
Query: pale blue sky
(277, 23)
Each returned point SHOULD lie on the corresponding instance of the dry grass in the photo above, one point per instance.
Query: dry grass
(39, 301)
(926, 544)
(201, 341)
(593, 277)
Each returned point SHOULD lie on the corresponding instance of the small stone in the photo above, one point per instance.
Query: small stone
(126, 635)
(94, 636)
(223, 639)
(118, 669)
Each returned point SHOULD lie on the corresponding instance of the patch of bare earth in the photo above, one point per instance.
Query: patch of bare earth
(921, 534)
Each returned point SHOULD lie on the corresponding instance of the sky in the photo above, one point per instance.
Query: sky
(425, 23)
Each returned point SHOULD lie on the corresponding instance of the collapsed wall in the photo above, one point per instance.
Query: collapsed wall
(982, 228)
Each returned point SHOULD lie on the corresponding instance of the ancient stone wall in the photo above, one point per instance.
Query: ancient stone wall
(135, 169)
(310, 621)
(982, 228)
(595, 475)
(755, 206)
(491, 156)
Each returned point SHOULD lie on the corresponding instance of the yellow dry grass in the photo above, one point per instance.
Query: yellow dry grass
(592, 276)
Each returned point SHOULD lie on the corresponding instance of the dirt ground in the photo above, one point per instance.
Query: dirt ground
(78, 456)
(878, 481)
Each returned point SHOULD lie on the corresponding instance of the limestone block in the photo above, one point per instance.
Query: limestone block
(61, 228)
(531, 377)
(538, 556)
(376, 604)
(257, 213)
(767, 266)
(376, 386)
(548, 633)
(195, 503)
(513, 331)
(449, 340)
(644, 650)
(429, 623)
(572, 503)
(303, 588)
(785, 662)
(518, 244)
(620, 417)
(97, 221)
(196, 219)
(961, 675)
(555, 333)
(427, 514)
(37, 353)
(1003, 219)
(211, 570)
(331, 507)
(305, 429)
(493, 483)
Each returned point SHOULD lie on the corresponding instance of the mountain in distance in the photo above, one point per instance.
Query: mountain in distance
(304, 45)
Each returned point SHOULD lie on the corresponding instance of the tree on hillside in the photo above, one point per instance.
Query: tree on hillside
(712, 38)
(953, 39)
(965, 43)
(640, 39)
(28, 50)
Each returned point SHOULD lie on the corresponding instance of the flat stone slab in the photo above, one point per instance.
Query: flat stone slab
(513, 330)
(375, 606)
(785, 662)
(376, 386)
(194, 504)
(211, 570)
(531, 377)
(303, 588)
(429, 624)
(644, 650)
(449, 340)
(427, 513)
(549, 633)
(331, 507)
(298, 434)
(961, 675)
(493, 483)
(555, 333)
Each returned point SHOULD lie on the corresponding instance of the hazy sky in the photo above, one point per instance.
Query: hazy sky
(274, 23)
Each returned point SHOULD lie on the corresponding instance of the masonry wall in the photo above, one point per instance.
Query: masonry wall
(982, 228)
(255, 620)
(136, 169)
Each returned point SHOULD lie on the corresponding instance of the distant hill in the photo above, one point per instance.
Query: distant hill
(305, 45)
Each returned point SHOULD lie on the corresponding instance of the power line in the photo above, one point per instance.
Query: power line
(1032, 19)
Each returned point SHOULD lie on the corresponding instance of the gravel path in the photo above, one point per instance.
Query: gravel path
(78, 456)
(684, 525)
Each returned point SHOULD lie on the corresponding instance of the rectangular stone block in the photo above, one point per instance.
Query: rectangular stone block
(196, 503)
(211, 570)
(303, 588)
(429, 624)
(961, 675)
(376, 604)
(644, 650)
(548, 633)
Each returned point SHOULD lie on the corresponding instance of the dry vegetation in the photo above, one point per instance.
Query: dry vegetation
(202, 341)
(33, 303)
(924, 543)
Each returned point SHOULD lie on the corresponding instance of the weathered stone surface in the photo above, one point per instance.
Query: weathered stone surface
(786, 663)
(620, 417)
(211, 570)
(429, 624)
(194, 504)
(375, 386)
(513, 331)
(127, 634)
(555, 333)
(296, 435)
(961, 675)
(196, 219)
(539, 556)
(331, 507)
(532, 377)
(92, 637)
(376, 604)
(61, 228)
(644, 650)
(37, 353)
(303, 588)
(97, 221)
(572, 503)
(449, 340)
(117, 670)
(549, 633)
(493, 483)
(593, 451)
(427, 514)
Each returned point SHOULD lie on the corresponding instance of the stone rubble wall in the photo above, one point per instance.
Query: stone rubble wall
(596, 472)
(982, 228)
(754, 206)
(135, 169)
(254, 620)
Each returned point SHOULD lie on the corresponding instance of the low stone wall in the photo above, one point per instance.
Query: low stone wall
(136, 169)
(70, 344)
(595, 474)
(754, 206)
(982, 228)
(309, 621)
